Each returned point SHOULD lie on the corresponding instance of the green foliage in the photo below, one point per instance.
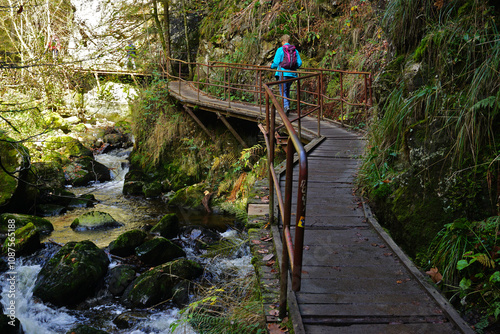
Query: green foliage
(468, 255)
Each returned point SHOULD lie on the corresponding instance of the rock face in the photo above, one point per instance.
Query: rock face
(72, 274)
(19, 220)
(158, 284)
(167, 227)
(126, 243)
(94, 220)
(25, 240)
(158, 250)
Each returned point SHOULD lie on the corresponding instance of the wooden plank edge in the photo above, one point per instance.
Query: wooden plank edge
(449, 310)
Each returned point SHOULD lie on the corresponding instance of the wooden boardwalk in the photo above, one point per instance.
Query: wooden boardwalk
(354, 278)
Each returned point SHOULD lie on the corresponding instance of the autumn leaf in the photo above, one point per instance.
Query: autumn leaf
(435, 275)
(275, 329)
(274, 313)
(268, 257)
(256, 242)
(263, 251)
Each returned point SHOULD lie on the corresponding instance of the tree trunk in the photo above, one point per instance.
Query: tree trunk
(186, 34)
(163, 31)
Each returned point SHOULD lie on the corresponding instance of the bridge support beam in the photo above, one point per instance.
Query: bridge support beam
(235, 134)
(200, 123)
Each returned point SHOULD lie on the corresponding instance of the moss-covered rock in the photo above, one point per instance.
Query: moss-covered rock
(57, 196)
(119, 278)
(167, 227)
(68, 146)
(25, 240)
(14, 158)
(50, 174)
(129, 319)
(72, 274)
(13, 221)
(189, 197)
(94, 220)
(81, 171)
(157, 285)
(126, 243)
(84, 329)
(133, 188)
(152, 189)
(158, 250)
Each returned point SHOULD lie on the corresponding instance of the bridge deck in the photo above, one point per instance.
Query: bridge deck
(354, 278)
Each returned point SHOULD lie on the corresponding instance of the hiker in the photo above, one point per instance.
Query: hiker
(54, 46)
(131, 54)
(286, 58)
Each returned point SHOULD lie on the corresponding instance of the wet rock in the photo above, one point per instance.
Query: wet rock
(181, 293)
(14, 221)
(47, 210)
(152, 190)
(81, 171)
(158, 250)
(58, 196)
(24, 241)
(10, 325)
(94, 220)
(72, 274)
(201, 236)
(129, 319)
(84, 329)
(119, 278)
(126, 243)
(168, 226)
(156, 285)
(133, 188)
(83, 201)
(135, 175)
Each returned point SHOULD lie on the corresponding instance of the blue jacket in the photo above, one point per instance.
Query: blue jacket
(278, 58)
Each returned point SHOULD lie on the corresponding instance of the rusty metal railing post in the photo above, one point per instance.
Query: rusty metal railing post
(320, 101)
(229, 86)
(300, 222)
(198, 79)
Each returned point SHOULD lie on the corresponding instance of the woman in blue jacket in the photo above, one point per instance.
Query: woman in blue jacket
(277, 63)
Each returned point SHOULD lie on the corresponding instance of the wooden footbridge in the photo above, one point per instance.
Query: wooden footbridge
(340, 272)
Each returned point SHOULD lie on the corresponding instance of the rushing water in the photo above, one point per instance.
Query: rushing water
(99, 312)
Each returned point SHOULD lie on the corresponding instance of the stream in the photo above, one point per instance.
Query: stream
(100, 311)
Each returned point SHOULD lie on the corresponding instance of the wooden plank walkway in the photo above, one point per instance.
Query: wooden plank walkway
(354, 278)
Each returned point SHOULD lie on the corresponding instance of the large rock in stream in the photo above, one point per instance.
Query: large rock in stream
(24, 241)
(72, 274)
(94, 220)
(158, 250)
(126, 243)
(13, 221)
(157, 284)
(168, 226)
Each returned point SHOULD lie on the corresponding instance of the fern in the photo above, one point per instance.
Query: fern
(208, 324)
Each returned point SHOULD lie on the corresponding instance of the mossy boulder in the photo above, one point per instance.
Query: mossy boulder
(50, 174)
(119, 278)
(68, 146)
(129, 319)
(14, 157)
(58, 196)
(168, 226)
(189, 197)
(156, 285)
(84, 329)
(158, 250)
(81, 171)
(72, 274)
(25, 240)
(15, 221)
(126, 243)
(133, 188)
(152, 189)
(94, 220)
